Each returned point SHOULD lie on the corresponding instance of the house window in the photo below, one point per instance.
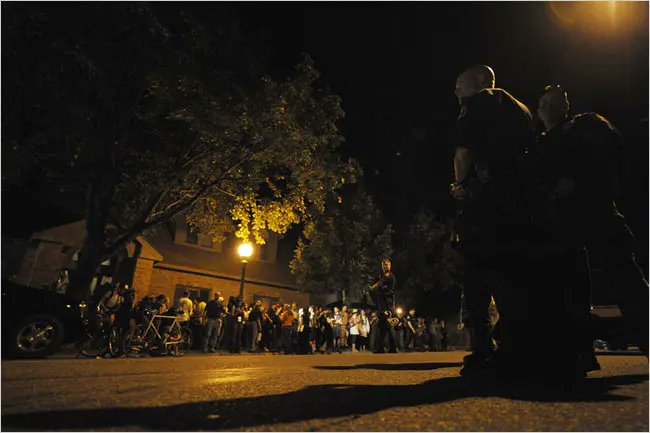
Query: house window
(267, 301)
(195, 293)
(191, 236)
(264, 252)
(206, 241)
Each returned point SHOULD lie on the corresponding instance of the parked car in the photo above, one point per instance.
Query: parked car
(35, 322)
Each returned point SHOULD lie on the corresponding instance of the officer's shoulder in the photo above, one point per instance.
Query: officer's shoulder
(486, 97)
(591, 122)
(591, 119)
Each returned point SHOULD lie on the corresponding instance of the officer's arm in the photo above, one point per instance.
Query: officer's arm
(462, 162)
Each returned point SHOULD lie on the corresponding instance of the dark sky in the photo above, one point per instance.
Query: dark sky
(395, 64)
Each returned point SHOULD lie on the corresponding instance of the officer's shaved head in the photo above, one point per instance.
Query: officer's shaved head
(474, 79)
(553, 106)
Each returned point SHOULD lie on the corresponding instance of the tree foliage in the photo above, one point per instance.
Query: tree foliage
(427, 263)
(148, 116)
(343, 248)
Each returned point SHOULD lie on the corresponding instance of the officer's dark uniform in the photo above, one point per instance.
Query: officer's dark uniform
(493, 221)
(588, 150)
(383, 298)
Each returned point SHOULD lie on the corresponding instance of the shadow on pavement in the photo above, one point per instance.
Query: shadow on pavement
(395, 367)
(304, 405)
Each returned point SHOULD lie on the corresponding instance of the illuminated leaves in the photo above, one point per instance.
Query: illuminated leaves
(342, 249)
(170, 120)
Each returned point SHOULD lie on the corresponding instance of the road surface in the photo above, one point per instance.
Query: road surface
(348, 392)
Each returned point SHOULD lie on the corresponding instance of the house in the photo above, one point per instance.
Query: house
(172, 259)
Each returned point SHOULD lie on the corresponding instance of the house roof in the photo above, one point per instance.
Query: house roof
(225, 263)
(146, 250)
(74, 234)
(67, 234)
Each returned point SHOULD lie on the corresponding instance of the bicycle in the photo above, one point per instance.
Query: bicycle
(95, 340)
(172, 339)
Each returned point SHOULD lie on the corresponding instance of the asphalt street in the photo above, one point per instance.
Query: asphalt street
(348, 392)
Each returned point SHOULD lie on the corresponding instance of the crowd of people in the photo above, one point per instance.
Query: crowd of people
(289, 329)
(281, 328)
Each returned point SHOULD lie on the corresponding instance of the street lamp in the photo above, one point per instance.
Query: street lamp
(245, 250)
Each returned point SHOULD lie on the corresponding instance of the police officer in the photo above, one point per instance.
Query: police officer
(382, 292)
(494, 131)
(580, 164)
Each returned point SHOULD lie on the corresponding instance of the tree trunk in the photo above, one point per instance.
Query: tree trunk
(93, 252)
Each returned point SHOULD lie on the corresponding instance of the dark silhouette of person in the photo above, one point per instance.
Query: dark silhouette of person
(382, 292)
(494, 131)
(580, 163)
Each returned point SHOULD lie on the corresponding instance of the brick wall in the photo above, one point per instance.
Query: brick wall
(142, 276)
(165, 281)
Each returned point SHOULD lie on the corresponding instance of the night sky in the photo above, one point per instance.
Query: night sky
(395, 65)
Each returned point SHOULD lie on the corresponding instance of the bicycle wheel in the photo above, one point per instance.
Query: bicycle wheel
(90, 344)
(135, 343)
(115, 344)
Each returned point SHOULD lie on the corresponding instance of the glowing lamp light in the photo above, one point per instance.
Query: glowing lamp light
(399, 310)
(245, 250)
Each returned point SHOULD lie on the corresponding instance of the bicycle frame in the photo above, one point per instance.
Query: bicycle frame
(156, 331)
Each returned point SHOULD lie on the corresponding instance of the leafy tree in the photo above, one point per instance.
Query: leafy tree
(147, 116)
(429, 265)
(342, 249)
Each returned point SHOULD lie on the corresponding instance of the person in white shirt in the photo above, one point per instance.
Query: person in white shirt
(186, 306)
(354, 330)
(364, 330)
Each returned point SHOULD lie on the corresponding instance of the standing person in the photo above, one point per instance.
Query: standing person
(353, 326)
(286, 319)
(313, 323)
(494, 133)
(294, 328)
(364, 330)
(212, 318)
(383, 292)
(325, 325)
(336, 317)
(421, 341)
(108, 306)
(580, 173)
(245, 309)
(444, 336)
(345, 318)
(200, 309)
(374, 332)
(62, 281)
(274, 317)
(236, 324)
(304, 331)
(186, 306)
(126, 315)
(410, 329)
(434, 335)
(267, 330)
(254, 326)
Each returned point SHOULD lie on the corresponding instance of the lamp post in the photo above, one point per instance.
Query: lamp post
(245, 250)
